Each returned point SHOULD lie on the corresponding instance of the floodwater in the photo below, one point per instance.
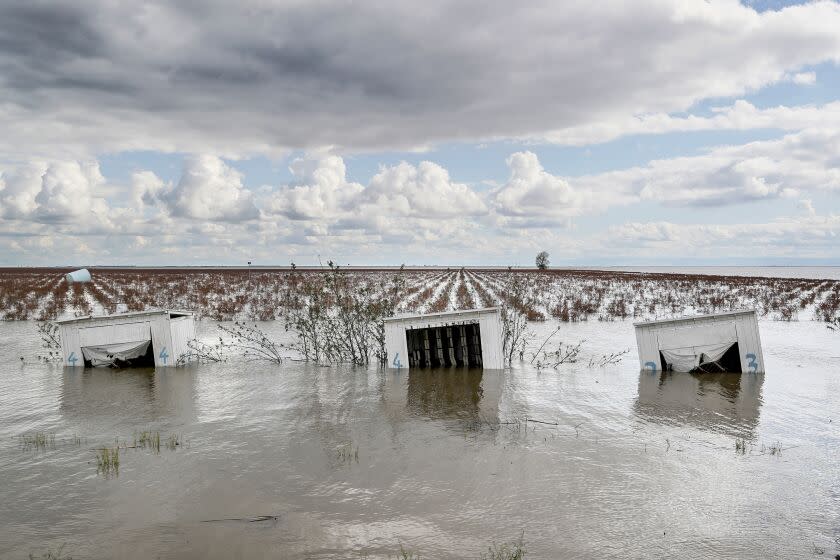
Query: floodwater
(295, 461)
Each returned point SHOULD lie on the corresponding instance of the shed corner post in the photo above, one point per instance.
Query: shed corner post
(70, 349)
(162, 341)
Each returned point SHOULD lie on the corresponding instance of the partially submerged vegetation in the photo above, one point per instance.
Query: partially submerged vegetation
(566, 295)
(38, 441)
(50, 555)
(108, 461)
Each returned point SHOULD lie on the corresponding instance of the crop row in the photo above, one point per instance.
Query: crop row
(565, 295)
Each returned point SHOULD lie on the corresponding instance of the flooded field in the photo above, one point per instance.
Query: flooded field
(296, 461)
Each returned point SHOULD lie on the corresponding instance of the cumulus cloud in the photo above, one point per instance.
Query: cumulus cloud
(53, 192)
(262, 77)
(422, 191)
(532, 192)
(208, 189)
(323, 192)
(399, 191)
(146, 187)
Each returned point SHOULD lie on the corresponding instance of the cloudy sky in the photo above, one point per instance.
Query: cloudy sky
(435, 132)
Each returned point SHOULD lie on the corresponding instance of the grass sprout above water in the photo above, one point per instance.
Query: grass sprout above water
(148, 439)
(348, 453)
(108, 461)
(38, 441)
(508, 551)
(50, 555)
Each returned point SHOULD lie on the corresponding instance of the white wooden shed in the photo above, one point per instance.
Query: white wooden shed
(722, 341)
(453, 338)
(136, 338)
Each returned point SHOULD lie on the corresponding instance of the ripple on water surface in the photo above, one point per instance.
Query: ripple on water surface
(303, 462)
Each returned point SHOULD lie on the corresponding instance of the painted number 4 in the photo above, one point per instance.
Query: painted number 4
(752, 364)
(397, 363)
(164, 355)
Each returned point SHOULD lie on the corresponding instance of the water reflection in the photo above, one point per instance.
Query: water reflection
(106, 393)
(467, 395)
(723, 402)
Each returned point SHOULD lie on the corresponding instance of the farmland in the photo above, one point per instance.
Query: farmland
(564, 295)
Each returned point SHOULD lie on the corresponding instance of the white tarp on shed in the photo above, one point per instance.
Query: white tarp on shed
(687, 347)
(110, 354)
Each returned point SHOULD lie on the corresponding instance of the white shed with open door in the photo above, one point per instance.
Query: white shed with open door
(727, 341)
(143, 338)
(470, 338)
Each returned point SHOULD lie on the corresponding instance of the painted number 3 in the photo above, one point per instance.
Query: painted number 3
(397, 363)
(752, 364)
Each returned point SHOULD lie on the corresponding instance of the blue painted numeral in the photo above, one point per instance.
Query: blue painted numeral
(651, 365)
(164, 355)
(397, 363)
(73, 359)
(753, 365)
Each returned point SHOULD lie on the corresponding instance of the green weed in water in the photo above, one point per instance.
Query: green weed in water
(50, 555)
(148, 440)
(508, 551)
(38, 441)
(108, 461)
(407, 554)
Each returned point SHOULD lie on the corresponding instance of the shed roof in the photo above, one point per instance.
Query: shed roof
(442, 314)
(96, 318)
(691, 318)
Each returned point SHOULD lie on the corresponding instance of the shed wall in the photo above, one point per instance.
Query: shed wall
(169, 336)
(745, 325)
(490, 324)
(182, 330)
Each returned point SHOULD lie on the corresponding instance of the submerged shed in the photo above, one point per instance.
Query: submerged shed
(727, 341)
(142, 338)
(453, 338)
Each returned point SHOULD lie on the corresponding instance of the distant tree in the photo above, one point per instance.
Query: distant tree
(542, 260)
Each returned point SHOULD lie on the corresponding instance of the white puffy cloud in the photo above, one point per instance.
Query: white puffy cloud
(208, 189)
(146, 187)
(323, 192)
(18, 189)
(425, 190)
(61, 191)
(399, 191)
(532, 192)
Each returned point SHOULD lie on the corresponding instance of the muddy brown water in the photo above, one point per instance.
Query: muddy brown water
(297, 461)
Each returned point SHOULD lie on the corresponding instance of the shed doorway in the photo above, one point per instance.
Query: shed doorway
(728, 361)
(446, 346)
